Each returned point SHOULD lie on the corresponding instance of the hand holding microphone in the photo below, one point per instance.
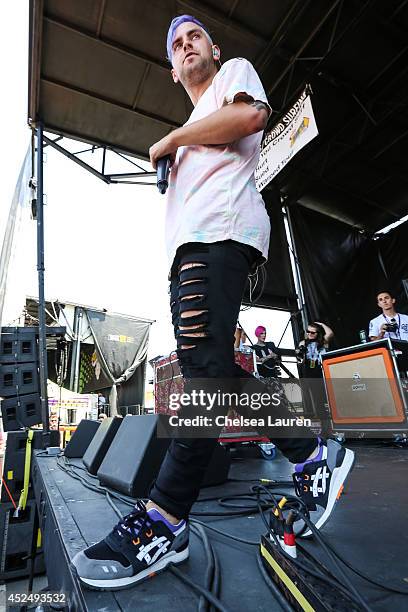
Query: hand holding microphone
(162, 154)
(163, 167)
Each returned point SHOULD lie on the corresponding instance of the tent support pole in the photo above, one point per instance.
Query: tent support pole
(78, 349)
(42, 342)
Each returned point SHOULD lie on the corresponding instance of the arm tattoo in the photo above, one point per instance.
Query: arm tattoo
(257, 104)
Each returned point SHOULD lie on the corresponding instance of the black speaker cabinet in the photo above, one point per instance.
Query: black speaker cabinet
(100, 443)
(134, 457)
(18, 344)
(81, 438)
(18, 379)
(21, 411)
(16, 535)
(14, 462)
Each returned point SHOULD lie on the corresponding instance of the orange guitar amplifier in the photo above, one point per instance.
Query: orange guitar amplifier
(365, 390)
(168, 380)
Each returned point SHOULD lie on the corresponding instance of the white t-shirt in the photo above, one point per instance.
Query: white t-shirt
(212, 194)
(400, 319)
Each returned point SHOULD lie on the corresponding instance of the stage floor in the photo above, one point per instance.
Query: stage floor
(368, 529)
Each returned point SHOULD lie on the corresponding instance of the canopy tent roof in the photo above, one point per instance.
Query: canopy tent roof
(98, 73)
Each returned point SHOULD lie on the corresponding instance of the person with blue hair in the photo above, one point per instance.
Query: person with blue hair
(217, 233)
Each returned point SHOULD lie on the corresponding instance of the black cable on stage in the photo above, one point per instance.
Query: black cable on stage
(213, 600)
(217, 577)
(229, 514)
(333, 582)
(271, 483)
(113, 505)
(247, 509)
(226, 535)
(108, 494)
(332, 557)
(356, 597)
(301, 508)
(217, 497)
(321, 574)
(92, 487)
(294, 503)
(121, 496)
(327, 576)
(294, 499)
(209, 572)
(80, 467)
(363, 576)
(212, 580)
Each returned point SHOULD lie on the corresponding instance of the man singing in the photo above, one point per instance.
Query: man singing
(217, 231)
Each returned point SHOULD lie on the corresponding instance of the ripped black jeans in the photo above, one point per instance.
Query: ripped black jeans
(207, 285)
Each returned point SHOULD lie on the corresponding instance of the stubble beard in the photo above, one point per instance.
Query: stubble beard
(191, 76)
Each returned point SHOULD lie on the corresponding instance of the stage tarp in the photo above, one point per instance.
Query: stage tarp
(279, 290)
(342, 269)
(121, 348)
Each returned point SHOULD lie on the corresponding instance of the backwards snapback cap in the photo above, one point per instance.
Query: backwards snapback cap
(173, 27)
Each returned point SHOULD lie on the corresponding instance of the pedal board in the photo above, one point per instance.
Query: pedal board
(302, 591)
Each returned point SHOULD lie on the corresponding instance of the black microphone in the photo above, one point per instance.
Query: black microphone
(163, 167)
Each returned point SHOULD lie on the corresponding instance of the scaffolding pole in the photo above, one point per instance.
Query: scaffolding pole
(42, 342)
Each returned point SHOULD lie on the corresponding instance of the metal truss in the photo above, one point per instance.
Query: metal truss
(139, 177)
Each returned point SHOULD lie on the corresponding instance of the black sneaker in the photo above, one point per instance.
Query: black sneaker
(141, 545)
(319, 482)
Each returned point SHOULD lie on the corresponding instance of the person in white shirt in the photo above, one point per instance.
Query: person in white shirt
(217, 231)
(390, 323)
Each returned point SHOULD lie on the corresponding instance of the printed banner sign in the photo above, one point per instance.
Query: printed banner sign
(293, 131)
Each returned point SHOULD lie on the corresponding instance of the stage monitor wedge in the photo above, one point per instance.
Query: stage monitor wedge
(100, 443)
(134, 457)
(81, 438)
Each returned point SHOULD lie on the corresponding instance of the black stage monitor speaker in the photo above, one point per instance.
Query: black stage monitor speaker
(81, 438)
(100, 443)
(135, 456)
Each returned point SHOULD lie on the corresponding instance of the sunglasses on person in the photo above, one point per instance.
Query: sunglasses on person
(310, 331)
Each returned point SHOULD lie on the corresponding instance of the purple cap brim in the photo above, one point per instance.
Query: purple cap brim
(173, 27)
